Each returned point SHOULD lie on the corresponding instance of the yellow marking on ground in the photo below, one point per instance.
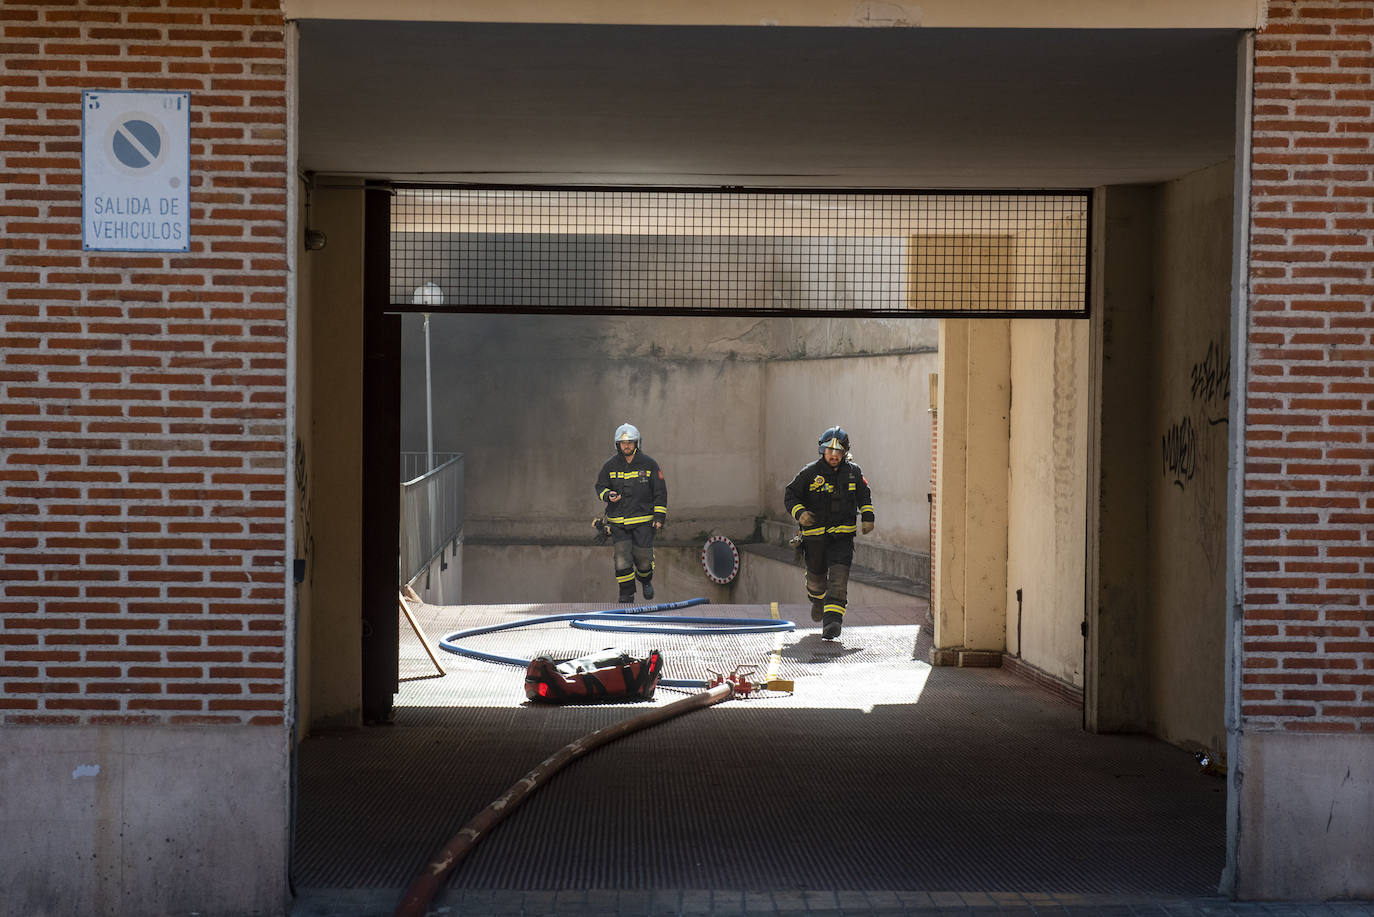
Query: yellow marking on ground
(771, 680)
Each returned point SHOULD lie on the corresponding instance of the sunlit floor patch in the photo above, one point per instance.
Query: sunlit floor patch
(871, 663)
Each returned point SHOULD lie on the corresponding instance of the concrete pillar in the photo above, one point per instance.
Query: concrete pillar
(334, 635)
(1122, 453)
(971, 570)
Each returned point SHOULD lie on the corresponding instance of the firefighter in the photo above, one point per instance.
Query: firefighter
(824, 498)
(636, 498)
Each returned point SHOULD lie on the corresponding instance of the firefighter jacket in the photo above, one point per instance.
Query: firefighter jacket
(833, 495)
(643, 492)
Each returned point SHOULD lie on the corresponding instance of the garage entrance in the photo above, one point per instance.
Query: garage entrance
(1158, 216)
(880, 255)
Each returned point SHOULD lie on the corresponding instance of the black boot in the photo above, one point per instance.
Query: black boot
(834, 620)
(817, 609)
(648, 589)
(625, 581)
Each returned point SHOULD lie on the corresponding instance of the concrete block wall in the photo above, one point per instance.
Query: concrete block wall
(144, 479)
(911, 566)
(729, 407)
(881, 401)
(506, 574)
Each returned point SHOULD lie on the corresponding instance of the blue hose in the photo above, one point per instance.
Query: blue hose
(587, 620)
(722, 625)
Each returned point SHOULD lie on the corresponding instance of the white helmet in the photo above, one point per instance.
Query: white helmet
(627, 433)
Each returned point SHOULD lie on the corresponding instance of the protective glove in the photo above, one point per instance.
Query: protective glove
(867, 526)
(806, 518)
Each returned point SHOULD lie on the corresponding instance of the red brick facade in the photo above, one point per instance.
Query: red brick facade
(143, 396)
(1308, 654)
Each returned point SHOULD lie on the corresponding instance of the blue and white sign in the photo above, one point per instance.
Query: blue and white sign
(135, 171)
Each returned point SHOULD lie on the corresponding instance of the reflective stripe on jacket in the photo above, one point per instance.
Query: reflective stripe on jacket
(833, 495)
(643, 491)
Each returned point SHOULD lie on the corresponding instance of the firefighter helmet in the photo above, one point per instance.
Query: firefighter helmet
(833, 438)
(627, 433)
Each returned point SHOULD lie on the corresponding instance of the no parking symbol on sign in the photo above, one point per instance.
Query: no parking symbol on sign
(135, 171)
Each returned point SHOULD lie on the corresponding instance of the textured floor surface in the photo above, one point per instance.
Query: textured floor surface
(880, 785)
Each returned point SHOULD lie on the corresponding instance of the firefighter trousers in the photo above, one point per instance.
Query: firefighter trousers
(828, 559)
(634, 556)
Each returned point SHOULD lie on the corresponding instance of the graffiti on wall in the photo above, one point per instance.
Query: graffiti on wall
(305, 538)
(1212, 379)
(1210, 387)
(1180, 451)
(1194, 451)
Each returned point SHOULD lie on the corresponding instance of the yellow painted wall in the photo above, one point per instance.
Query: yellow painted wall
(971, 539)
(334, 443)
(947, 579)
(302, 456)
(1157, 609)
(1191, 426)
(1047, 495)
(1123, 455)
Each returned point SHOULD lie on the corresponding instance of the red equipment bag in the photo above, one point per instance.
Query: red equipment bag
(607, 675)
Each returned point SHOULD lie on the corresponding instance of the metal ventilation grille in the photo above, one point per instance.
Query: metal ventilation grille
(754, 253)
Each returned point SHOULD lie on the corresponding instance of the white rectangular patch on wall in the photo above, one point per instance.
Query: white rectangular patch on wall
(135, 171)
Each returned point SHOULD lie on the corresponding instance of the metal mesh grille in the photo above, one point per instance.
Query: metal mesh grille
(774, 253)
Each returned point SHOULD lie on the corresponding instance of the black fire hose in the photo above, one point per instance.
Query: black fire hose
(423, 888)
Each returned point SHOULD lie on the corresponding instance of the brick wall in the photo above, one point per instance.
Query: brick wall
(143, 396)
(1308, 661)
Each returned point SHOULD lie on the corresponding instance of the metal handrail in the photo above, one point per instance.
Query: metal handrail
(416, 464)
(431, 516)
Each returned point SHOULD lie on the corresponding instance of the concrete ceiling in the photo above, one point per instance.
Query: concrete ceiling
(763, 107)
